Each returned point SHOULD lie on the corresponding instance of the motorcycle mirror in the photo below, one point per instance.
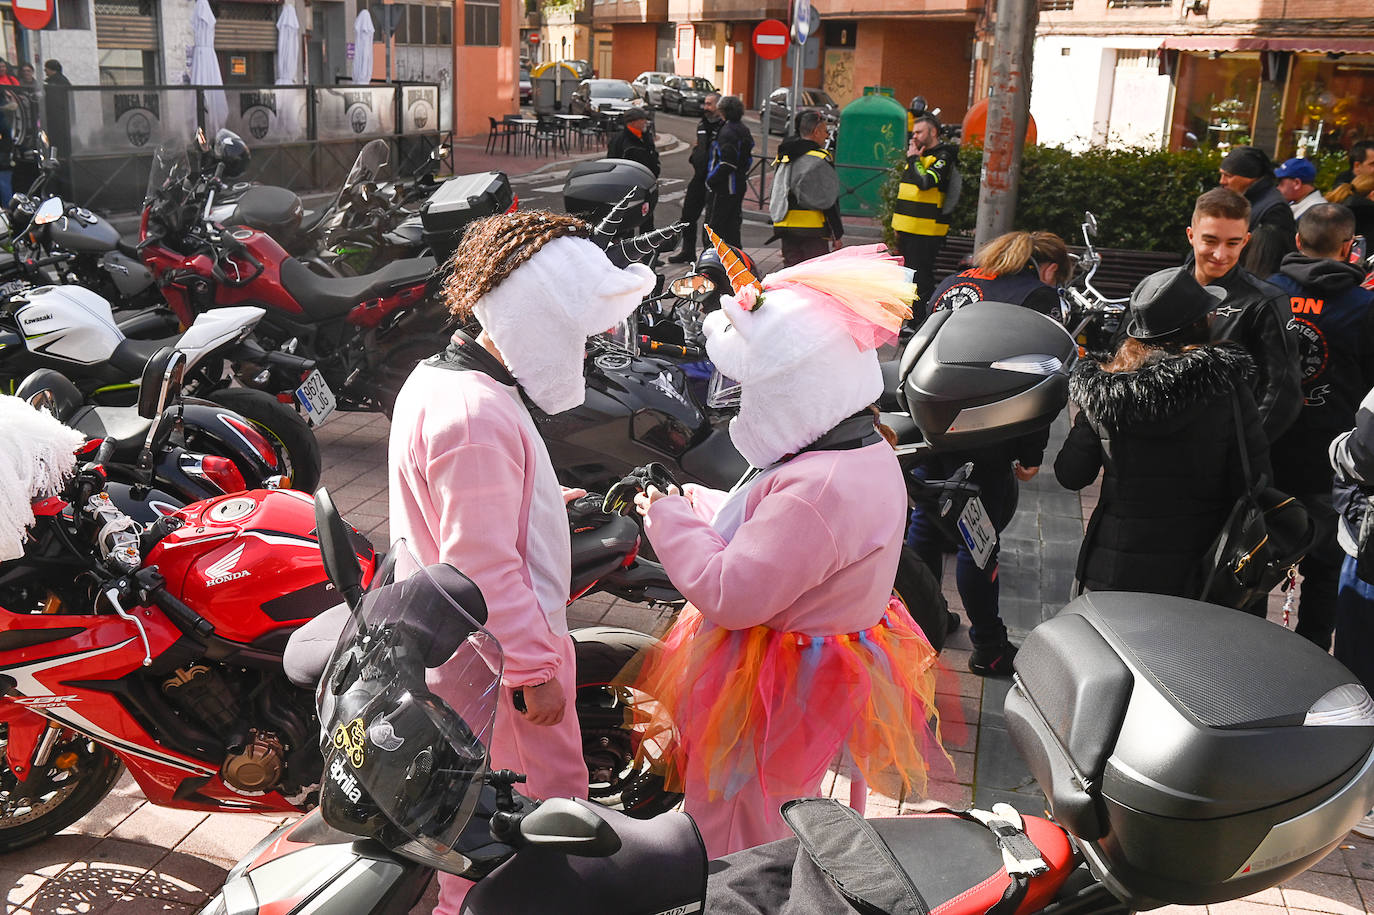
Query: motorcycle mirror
(49, 210)
(336, 549)
(935, 112)
(161, 380)
(694, 286)
(1090, 221)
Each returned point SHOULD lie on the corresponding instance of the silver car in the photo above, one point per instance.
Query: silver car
(779, 108)
(686, 94)
(649, 86)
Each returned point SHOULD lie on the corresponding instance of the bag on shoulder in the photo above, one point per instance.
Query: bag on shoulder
(778, 204)
(1266, 534)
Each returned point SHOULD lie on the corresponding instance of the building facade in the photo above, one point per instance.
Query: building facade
(1218, 73)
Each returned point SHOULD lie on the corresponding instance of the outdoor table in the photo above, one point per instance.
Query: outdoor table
(569, 123)
(525, 126)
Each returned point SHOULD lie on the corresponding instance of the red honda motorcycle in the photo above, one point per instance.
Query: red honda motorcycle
(364, 333)
(160, 648)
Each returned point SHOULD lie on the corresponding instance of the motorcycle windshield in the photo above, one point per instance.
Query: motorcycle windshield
(619, 336)
(722, 393)
(407, 707)
(370, 166)
(171, 166)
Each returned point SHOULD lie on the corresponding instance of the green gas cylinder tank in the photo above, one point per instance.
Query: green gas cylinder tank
(872, 132)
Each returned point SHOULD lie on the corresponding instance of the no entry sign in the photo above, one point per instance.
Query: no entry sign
(33, 14)
(770, 39)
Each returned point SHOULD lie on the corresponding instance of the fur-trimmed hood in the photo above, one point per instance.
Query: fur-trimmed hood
(1166, 390)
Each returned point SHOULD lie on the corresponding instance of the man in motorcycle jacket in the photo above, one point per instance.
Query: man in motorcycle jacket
(1333, 318)
(471, 483)
(727, 171)
(805, 224)
(694, 201)
(1254, 314)
(635, 141)
(921, 215)
(1248, 171)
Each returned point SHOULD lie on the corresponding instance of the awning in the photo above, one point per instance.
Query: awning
(1308, 45)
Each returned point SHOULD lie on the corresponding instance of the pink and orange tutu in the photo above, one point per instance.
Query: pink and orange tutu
(777, 707)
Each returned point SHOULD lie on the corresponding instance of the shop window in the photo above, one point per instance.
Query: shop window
(127, 67)
(1215, 100)
(244, 67)
(482, 22)
(1330, 106)
(70, 14)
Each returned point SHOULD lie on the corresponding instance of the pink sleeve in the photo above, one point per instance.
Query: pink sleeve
(705, 501)
(478, 491)
(780, 553)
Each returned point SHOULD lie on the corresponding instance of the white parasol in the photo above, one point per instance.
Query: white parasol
(362, 48)
(205, 66)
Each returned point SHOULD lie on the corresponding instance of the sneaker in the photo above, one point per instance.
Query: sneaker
(992, 660)
(1366, 826)
(686, 257)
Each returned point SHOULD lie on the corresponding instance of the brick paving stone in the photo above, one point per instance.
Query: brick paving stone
(227, 836)
(1323, 893)
(183, 878)
(1247, 906)
(154, 825)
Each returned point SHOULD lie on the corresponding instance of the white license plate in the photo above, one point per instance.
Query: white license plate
(979, 534)
(316, 397)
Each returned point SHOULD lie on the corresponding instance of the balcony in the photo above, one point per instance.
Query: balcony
(952, 9)
(728, 10)
(609, 12)
(567, 12)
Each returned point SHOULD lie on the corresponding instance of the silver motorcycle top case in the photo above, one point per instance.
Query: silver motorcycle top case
(459, 202)
(984, 373)
(1196, 753)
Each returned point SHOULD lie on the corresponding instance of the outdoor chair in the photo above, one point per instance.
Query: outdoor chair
(548, 135)
(498, 131)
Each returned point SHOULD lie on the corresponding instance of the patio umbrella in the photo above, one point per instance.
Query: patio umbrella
(288, 46)
(205, 66)
(362, 48)
(288, 68)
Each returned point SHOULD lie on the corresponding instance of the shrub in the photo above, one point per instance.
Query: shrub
(1143, 198)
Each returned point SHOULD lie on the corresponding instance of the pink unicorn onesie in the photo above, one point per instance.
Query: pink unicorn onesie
(793, 647)
(471, 483)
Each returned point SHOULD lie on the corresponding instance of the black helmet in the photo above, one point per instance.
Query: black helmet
(918, 105)
(709, 265)
(232, 152)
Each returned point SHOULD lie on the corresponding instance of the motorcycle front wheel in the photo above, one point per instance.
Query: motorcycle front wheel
(283, 426)
(917, 588)
(615, 725)
(78, 775)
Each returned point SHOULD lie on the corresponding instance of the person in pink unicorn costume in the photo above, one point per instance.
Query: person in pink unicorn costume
(471, 483)
(793, 647)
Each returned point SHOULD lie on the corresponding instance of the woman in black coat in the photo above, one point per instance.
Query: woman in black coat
(1159, 416)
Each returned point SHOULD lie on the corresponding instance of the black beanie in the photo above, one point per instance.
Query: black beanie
(1247, 162)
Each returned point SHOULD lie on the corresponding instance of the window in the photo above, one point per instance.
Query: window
(445, 27)
(1055, 6)
(402, 35)
(482, 22)
(1136, 4)
(415, 14)
(70, 14)
(127, 67)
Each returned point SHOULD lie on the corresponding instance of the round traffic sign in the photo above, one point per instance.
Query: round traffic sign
(33, 14)
(770, 39)
(533, 39)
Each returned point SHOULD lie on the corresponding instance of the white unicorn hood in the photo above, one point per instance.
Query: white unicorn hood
(36, 457)
(802, 344)
(541, 315)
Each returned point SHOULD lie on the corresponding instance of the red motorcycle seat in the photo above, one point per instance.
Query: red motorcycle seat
(324, 298)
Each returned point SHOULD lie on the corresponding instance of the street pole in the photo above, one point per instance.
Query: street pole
(797, 63)
(1008, 115)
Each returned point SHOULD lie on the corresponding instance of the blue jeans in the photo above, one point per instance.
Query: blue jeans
(978, 591)
(1355, 624)
(6, 187)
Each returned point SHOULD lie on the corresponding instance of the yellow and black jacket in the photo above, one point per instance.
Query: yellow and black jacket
(921, 195)
(824, 223)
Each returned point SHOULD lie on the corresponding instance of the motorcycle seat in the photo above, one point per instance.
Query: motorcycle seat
(130, 356)
(904, 426)
(326, 297)
(121, 426)
(599, 550)
(892, 377)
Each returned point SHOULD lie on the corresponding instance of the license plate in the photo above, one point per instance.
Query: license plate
(316, 397)
(979, 534)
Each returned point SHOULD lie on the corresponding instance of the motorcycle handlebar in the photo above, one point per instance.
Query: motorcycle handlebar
(185, 619)
(238, 251)
(670, 349)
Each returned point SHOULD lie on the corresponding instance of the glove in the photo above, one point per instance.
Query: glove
(620, 498)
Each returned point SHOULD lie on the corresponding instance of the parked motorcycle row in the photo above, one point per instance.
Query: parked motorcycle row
(146, 624)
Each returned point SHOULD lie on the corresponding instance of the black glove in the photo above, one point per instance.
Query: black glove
(621, 496)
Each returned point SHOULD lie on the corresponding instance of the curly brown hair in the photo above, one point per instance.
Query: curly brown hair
(493, 247)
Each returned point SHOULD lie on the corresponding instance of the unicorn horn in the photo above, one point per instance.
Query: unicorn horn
(739, 274)
(609, 227)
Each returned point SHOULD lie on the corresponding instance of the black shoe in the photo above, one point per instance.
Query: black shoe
(992, 660)
(686, 257)
(952, 623)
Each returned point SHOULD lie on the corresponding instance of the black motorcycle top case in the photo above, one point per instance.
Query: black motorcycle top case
(1197, 753)
(984, 373)
(459, 201)
(594, 186)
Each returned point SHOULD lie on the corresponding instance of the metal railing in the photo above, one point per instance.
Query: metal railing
(303, 137)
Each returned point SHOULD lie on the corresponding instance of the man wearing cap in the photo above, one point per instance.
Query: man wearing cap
(635, 141)
(1248, 171)
(1255, 313)
(1295, 180)
(1333, 318)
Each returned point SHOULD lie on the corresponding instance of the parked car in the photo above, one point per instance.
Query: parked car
(526, 87)
(649, 85)
(583, 68)
(685, 94)
(779, 107)
(607, 97)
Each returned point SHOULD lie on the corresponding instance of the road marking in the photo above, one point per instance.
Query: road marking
(548, 189)
(674, 196)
